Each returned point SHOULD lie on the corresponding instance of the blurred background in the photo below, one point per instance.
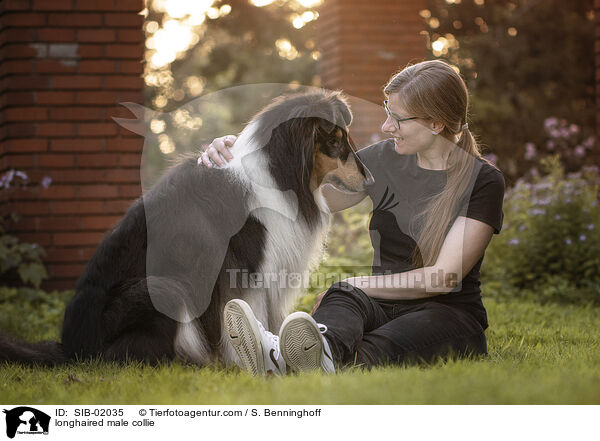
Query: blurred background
(69, 171)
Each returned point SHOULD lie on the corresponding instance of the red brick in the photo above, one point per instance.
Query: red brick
(97, 160)
(56, 35)
(56, 129)
(124, 82)
(130, 35)
(54, 66)
(131, 96)
(25, 19)
(27, 82)
(130, 191)
(58, 192)
(52, 5)
(16, 67)
(98, 191)
(135, 51)
(55, 97)
(96, 35)
(37, 207)
(77, 207)
(100, 97)
(91, 51)
(125, 145)
(123, 175)
(16, 5)
(56, 161)
(75, 238)
(42, 239)
(102, 223)
(65, 270)
(76, 144)
(19, 130)
(25, 114)
(65, 254)
(16, 50)
(75, 20)
(97, 66)
(18, 98)
(26, 145)
(18, 35)
(56, 284)
(130, 160)
(97, 129)
(60, 223)
(76, 82)
(23, 161)
(77, 113)
(136, 67)
(124, 20)
(117, 207)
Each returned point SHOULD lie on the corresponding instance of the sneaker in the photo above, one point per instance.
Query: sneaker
(302, 345)
(257, 348)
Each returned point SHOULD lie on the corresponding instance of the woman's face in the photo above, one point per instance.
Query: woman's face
(410, 136)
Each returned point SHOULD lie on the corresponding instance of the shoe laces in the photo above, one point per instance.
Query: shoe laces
(272, 338)
(322, 328)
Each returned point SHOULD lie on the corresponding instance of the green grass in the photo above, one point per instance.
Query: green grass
(539, 354)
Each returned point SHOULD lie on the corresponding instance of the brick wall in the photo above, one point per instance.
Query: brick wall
(64, 67)
(362, 44)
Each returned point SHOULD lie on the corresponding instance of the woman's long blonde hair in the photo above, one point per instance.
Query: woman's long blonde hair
(434, 90)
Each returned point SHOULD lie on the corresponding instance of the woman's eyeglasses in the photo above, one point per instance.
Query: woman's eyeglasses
(391, 115)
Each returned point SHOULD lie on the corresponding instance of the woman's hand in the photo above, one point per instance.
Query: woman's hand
(218, 152)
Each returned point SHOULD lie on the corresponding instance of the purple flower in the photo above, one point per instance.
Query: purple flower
(21, 175)
(545, 201)
(564, 133)
(568, 241)
(590, 227)
(537, 211)
(550, 145)
(513, 242)
(550, 122)
(529, 151)
(522, 227)
(582, 237)
(589, 142)
(579, 151)
(557, 217)
(46, 182)
(574, 129)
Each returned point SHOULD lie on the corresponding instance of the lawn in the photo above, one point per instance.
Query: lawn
(539, 354)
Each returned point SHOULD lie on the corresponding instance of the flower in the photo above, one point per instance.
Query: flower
(529, 151)
(557, 217)
(46, 182)
(590, 227)
(568, 241)
(522, 227)
(550, 122)
(574, 129)
(536, 211)
(579, 151)
(582, 237)
(513, 242)
(589, 142)
(550, 145)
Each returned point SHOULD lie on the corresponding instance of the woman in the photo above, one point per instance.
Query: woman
(437, 203)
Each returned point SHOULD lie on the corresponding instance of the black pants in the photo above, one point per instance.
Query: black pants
(363, 331)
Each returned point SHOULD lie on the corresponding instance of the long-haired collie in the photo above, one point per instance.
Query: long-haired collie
(156, 286)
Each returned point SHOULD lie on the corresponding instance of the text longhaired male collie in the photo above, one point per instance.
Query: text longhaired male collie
(156, 287)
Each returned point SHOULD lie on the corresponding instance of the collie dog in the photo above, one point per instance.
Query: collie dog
(156, 286)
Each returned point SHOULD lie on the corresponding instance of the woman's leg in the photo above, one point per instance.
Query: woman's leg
(422, 333)
(348, 313)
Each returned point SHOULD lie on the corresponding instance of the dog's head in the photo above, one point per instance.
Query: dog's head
(307, 142)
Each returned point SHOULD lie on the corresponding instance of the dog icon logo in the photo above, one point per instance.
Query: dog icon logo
(26, 420)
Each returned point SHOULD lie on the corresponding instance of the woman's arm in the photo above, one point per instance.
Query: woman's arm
(463, 246)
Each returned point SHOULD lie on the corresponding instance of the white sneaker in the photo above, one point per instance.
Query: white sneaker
(302, 345)
(257, 348)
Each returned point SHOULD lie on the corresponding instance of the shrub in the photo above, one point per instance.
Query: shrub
(20, 262)
(550, 238)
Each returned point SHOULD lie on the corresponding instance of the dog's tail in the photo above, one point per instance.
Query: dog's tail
(47, 353)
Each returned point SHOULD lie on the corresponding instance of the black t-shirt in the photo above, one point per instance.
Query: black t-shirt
(401, 190)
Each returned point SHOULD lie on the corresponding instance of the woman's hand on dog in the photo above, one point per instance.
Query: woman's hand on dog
(218, 152)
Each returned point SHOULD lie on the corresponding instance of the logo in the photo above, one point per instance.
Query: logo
(26, 420)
